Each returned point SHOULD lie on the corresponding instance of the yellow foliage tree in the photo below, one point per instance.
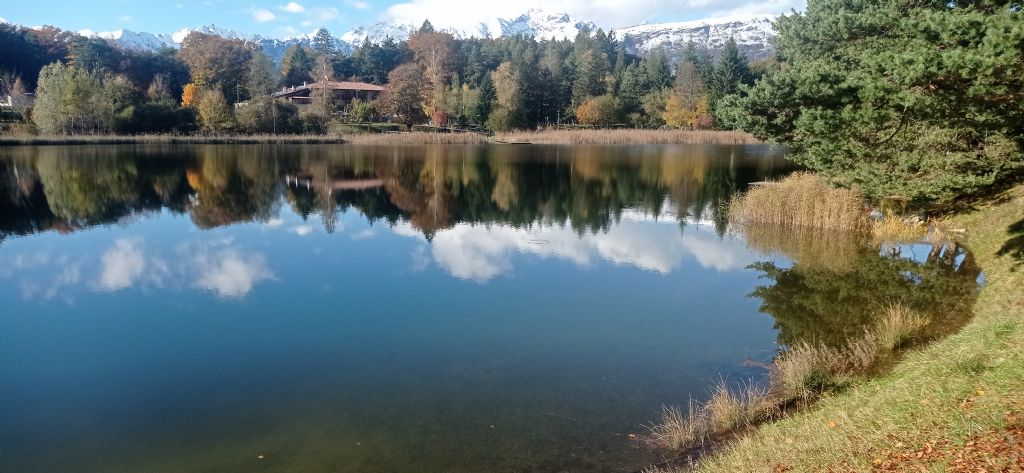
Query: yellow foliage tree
(680, 114)
(189, 95)
(588, 112)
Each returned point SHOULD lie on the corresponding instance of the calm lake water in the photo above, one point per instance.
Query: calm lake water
(403, 309)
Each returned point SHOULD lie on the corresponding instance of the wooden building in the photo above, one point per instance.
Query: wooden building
(342, 93)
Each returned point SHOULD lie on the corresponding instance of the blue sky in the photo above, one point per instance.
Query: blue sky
(283, 18)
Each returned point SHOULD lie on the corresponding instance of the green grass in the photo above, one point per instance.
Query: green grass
(952, 390)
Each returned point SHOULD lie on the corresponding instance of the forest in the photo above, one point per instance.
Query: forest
(919, 100)
(220, 85)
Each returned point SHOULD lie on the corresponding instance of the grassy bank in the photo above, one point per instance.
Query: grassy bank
(166, 139)
(954, 404)
(629, 136)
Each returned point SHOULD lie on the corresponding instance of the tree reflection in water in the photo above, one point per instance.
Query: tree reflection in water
(586, 188)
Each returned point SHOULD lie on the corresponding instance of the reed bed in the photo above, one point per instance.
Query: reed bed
(893, 228)
(628, 136)
(802, 200)
(801, 374)
(166, 139)
(416, 138)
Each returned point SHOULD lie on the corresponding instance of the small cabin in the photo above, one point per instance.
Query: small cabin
(342, 93)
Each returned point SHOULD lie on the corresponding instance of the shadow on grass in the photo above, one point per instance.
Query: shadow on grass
(1014, 247)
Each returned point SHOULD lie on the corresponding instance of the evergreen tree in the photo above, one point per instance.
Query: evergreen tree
(922, 102)
(485, 102)
(261, 77)
(323, 43)
(733, 71)
(297, 66)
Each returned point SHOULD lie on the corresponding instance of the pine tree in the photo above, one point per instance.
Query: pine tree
(485, 102)
(297, 66)
(323, 43)
(733, 70)
(921, 102)
(261, 77)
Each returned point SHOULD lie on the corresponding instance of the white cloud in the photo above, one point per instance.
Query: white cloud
(230, 273)
(121, 265)
(125, 18)
(469, 14)
(292, 7)
(263, 15)
(273, 223)
(301, 230)
(480, 253)
(358, 4)
(324, 14)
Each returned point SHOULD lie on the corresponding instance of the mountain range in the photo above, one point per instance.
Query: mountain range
(754, 35)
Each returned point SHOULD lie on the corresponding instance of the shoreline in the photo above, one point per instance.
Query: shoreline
(167, 139)
(936, 401)
(542, 137)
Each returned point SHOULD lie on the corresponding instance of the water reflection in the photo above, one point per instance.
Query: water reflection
(473, 205)
(835, 285)
(406, 309)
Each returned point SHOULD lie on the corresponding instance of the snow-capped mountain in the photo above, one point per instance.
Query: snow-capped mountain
(377, 33)
(132, 39)
(754, 36)
(543, 24)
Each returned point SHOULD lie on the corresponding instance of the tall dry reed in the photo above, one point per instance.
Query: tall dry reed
(628, 136)
(802, 373)
(801, 199)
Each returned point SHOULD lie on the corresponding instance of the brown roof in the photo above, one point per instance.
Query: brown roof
(335, 85)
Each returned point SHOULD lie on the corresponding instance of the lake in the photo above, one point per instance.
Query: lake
(324, 308)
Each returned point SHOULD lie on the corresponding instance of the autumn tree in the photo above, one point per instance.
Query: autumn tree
(322, 95)
(598, 111)
(508, 102)
(12, 86)
(403, 95)
(687, 106)
(190, 96)
(215, 61)
(433, 52)
(215, 114)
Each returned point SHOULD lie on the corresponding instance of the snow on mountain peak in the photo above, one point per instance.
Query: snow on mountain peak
(754, 35)
(544, 24)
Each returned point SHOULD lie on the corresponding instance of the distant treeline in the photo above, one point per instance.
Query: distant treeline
(86, 85)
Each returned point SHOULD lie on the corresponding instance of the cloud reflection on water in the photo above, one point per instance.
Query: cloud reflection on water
(218, 266)
(483, 252)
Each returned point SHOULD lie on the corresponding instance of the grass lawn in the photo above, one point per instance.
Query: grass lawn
(954, 405)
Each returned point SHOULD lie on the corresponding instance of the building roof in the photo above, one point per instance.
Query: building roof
(335, 85)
